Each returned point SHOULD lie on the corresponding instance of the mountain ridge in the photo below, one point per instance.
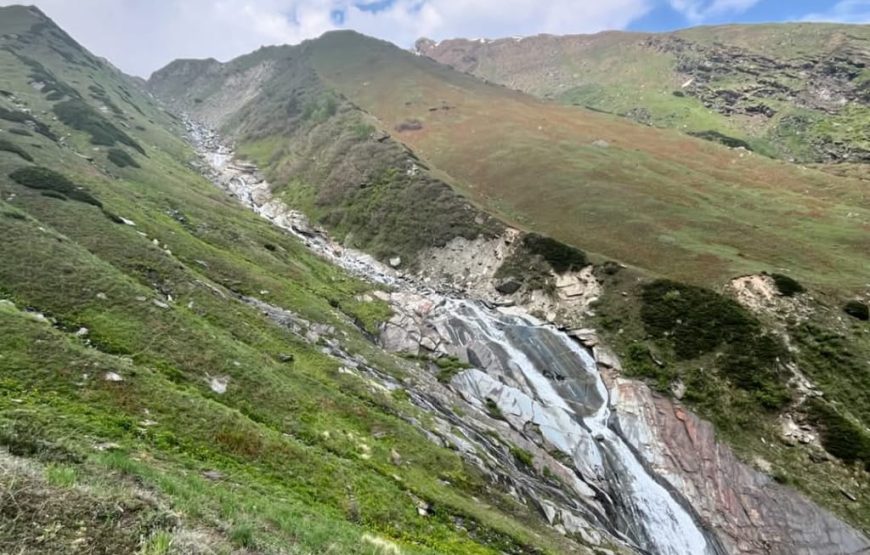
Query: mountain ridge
(680, 79)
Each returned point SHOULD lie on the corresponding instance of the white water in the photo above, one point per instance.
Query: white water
(573, 416)
(667, 527)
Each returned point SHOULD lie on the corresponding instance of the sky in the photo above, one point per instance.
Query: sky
(141, 36)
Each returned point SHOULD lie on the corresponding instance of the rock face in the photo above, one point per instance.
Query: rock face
(748, 510)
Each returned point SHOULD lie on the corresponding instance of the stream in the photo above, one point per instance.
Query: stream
(540, 379)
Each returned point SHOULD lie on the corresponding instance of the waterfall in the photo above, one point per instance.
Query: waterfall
(540, 375)
(534, 373)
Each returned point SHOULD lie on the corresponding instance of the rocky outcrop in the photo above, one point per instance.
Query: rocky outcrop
(750, 512)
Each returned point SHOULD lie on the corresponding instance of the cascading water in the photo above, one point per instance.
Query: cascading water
(540, 375)
(534, 373)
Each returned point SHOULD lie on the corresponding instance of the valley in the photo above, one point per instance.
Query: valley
(339, 298)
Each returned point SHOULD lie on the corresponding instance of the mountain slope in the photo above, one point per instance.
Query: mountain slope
(794, 91)
(147, 401)
(682, 207)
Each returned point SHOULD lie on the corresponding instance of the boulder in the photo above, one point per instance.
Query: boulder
(508, 286)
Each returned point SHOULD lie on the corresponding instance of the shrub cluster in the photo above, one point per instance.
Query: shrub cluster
(9, 146)
(839, 435)
(720, 138)
(79, 115)
(45, 179)
(121, 159)
(695, 321)
(787, 287)
(531, 262)
(857, 309)
(23, 117)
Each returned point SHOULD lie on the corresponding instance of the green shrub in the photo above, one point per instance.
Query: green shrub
(857, 309)
(449, 367)
(695, 321)
(243, 535)
(839, 435)
(787, 287)
(531, 263)
(15, 149)
(492, 409)
(23, 117)
(35, 177)
(78, 115)
(121, 159)
(320, 109)
(720, 138)
(522, 456)
(561, 257)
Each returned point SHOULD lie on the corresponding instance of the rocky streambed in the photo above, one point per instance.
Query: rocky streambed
(602, 458)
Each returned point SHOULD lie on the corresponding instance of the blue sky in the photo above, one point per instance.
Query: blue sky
(140, 36)
(664, 17)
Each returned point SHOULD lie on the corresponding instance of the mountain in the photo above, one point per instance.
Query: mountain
(259, 307)
(792, 91)
(148, 404)
(383, 148)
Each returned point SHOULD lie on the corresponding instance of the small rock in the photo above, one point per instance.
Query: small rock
(508, 287)
(848, 495)
(395, 261)
(160, 304)
(219, 384)
(678, 388)
(107, 446)
(283, 357)
(212, 475)
(112, 377)
(82, 332)
(395, 457)
(102, 296)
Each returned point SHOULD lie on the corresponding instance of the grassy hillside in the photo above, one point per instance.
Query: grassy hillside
(678, 206)
(145, 407)
(793, 91)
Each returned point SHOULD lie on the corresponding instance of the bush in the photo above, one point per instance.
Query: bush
(717, 137)
(695, 321)
(78, 115)
(449, 367)
(562, 257)
(121, 159)
(857, 309)
(44, 179)
(839, 435)
(15, 149)
(522, 456)
(787, 287)
(23, 117)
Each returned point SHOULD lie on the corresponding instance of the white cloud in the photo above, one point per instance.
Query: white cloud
(845, 11)
(140, 36)
(697, 11)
